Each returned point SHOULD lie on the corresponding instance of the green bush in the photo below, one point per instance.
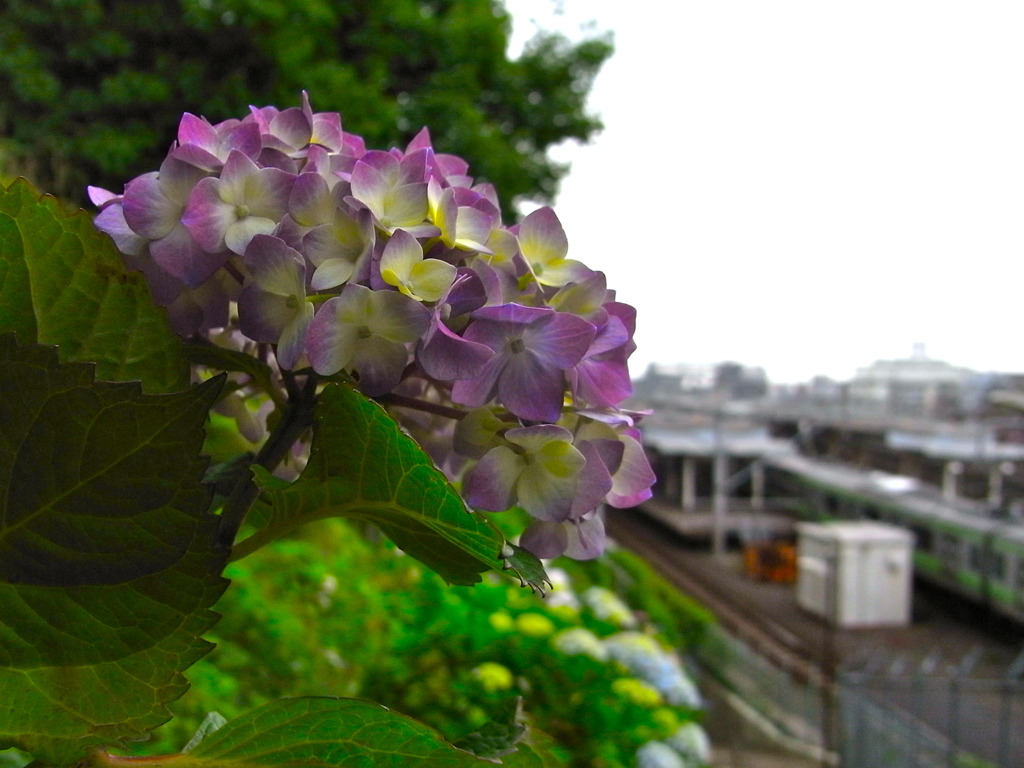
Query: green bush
(325, 613)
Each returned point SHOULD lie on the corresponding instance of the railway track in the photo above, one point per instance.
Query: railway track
(741, 613)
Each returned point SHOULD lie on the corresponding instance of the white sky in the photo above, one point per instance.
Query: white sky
(805, 185)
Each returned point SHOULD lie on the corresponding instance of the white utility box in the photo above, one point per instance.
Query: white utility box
(855, 574)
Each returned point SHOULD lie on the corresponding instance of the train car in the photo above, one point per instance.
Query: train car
(1004, 566)
(958, 544)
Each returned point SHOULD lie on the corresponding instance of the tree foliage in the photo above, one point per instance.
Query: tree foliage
(90, 89)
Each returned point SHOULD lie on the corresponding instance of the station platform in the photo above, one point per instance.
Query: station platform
(943, 632)
(699, 524)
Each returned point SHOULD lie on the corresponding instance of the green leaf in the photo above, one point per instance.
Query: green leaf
(212, 723)
(221, 359)
(537, 750)
(14, 758)
(500, 735)
(107, 560)
(63, 282)
(224, 476)
(363, 466)
(324, 732)
(526, 566)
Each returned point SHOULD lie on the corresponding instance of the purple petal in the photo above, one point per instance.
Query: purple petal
(451, 165)
(546, 497)
(482, 388)
(207, 216)
(379, 365)
(420, 141)
(241, 232)
(544, 539)
(270, 157)
(162, 286)
(474, 227)
(326, 126)
(541, 235)
(244, 137)
(178, 179)
(185, 315)
(275, 267)
(293, 339)
(238, 169)
(611, 336)
(602, 382)
(446, 356)
(147, 208)
(101, 197)
(330, 344)
(292, 127)
(267, 193)
(347, 237)
(111, 220)
(331, 273)
(631, 483)
(373, 176)
(609, 452)
(310, 202)
(466, 294)
(627, 316)
(531, 390)
(593, 483)
(196, 130)
(490, 484)
(200, 309)
(413, 167)
(512, 313)
(197, 156)
(396, 317)
(406, 206)
(585, 298)
(263, 316)
(561, 341)
(180, 255)
(586, 538)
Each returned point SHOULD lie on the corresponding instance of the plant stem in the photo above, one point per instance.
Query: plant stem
(295, 420)
(101, 759)
(421, 405)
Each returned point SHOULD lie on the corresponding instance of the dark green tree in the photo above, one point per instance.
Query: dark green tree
(91, 90)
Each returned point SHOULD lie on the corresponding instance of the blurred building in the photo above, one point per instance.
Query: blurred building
(668, 384)
(916, 386)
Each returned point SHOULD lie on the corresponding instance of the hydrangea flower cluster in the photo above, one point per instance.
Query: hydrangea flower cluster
(645, 658)
(607, 606)
(659, 754)
(504, 357)
(688, 747)
(578, 641)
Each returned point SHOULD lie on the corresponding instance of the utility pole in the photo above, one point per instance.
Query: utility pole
(720, 479)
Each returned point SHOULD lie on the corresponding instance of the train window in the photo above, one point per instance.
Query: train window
(948, 549)
(922, 538)
(997, 566)
(974, 558)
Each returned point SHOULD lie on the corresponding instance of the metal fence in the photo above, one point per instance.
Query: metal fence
(932, 715)
(794, 707)
(888, 713)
